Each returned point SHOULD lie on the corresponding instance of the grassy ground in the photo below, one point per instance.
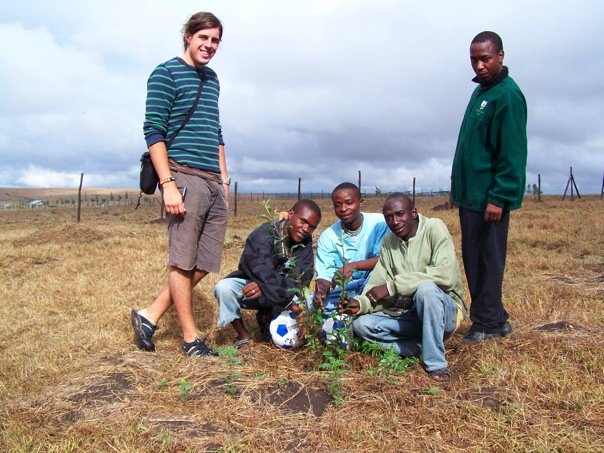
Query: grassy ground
(72, 380)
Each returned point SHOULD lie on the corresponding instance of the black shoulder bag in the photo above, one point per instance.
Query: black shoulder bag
(148, 176)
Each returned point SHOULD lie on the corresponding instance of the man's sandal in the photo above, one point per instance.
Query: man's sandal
(243, 344)
(441, 376)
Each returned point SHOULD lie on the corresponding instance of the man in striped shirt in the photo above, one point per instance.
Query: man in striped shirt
(187, 151)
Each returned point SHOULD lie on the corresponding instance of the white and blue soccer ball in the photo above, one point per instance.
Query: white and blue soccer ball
(284, 330)
(338, 329)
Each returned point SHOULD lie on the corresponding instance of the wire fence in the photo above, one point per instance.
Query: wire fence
(129, 197)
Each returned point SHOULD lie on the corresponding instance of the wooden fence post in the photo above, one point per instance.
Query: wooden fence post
(80, 196)
(236, 198)
(299, 186)
(414, 191)
(539, 187)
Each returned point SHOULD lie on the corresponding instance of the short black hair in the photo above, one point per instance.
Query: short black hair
(490, 36)
(306, 203)
(400, 195)
(347, 186)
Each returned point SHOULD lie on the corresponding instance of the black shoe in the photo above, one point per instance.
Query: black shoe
(506, 329)
(197, 348)
(476, 336)
(143, 331)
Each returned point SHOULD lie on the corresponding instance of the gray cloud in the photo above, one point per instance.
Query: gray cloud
(317, 90)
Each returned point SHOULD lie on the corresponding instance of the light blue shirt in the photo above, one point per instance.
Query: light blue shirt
(336, 247)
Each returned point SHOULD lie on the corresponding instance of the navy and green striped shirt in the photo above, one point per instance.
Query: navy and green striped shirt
(171, 91)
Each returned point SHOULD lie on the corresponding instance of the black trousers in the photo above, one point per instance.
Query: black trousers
(484, 248)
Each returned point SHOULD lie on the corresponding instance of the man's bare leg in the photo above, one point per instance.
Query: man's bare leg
(243, 340)
(239, 327)
(164, 301)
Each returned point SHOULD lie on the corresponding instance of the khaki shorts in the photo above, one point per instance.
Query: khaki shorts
(196, 239)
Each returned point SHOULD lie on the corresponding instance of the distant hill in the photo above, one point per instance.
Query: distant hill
(11, 194)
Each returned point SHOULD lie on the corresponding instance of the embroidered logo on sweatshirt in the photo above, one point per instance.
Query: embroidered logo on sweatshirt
(483, 104)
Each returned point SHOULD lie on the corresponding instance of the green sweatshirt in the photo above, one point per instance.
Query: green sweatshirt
(490, 159)
(429, 256)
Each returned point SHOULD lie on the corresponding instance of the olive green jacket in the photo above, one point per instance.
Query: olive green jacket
(428, 256)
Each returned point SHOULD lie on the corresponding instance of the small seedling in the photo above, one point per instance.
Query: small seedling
(232, 376)
(282, 382)
(433, 390)
(184, 388)
(390, 362)
(334, 361)
(166, 442)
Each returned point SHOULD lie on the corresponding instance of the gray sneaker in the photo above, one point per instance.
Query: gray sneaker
(476, 336)
(143, 331)
(197, 348)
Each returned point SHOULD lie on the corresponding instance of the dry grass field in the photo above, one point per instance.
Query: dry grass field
(71, 378)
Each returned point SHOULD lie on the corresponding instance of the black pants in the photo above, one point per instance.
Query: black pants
(484, 247)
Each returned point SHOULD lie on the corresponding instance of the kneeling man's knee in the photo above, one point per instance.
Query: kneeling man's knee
(426, 291)
(223, 288)
(360, 326)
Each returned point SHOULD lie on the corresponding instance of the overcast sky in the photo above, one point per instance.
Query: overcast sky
(316, 89)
